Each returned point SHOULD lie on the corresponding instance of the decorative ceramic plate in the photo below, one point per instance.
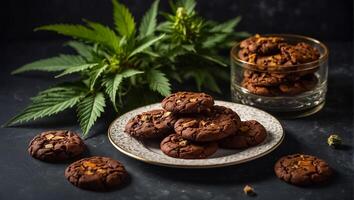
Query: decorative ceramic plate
(150, 152)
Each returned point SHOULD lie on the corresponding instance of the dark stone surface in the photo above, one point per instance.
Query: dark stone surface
(22, 177)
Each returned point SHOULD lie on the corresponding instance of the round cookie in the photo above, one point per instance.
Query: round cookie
(268, 79)
(260, 90)
(96, 173)
(56, 146)
(304, 84)
(302, 170)
(151, 124)
(219, 123)
(262, 45)
(250, 133)
(175, 146)
(300, 53)
(188, 102)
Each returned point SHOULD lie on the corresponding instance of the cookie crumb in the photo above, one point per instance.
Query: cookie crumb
(248, 190)
(334, 141)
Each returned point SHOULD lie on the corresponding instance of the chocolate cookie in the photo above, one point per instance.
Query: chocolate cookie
(151, 124)
(301, 169)
(262, 45)
(175, 146)
(219, 123)
(55, 146)
(268, 79)
(300, 53)
(188, 102)
(260, 90)
(96, 173)
(250, 133)
(304, 84)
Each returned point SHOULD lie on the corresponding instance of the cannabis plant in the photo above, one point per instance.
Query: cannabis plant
(108, 64)
(193, 44)
(119, 66)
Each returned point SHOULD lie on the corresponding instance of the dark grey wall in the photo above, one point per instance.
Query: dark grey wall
(327, 20)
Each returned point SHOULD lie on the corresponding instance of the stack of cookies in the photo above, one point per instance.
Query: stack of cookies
(276, 60)
(190, 126)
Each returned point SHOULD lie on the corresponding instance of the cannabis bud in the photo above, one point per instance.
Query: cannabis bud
(334, 141)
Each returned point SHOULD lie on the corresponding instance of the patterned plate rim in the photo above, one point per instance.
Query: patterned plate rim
(148, 160)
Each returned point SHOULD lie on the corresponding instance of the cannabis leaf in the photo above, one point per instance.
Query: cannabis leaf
(112, 83)
(145, 45)
(158, 82)
(123, 19)
(95, 74)
(78, 68)
(82, 49)
(89, 109)
(58, 63)
(148, 23)
(50, 102)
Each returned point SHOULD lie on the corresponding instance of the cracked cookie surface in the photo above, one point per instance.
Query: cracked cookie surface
(219, 123)
(188, 102)
(175, 146)
(302, 170)
(56, 146)
(151, 124)
(250, 133)
(96, 173)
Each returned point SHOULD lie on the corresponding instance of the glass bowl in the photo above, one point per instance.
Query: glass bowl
(304, 93)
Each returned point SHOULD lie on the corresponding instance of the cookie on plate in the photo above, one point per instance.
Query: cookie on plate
(175, 146)
(56, 146)
(188, 102)
(302, 169)
(219, 123)
(96, 173)
(151, 124)
(250, 133)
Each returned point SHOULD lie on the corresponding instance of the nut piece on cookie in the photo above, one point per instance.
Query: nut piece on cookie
(250, 133)
(96, 173)
(56, 146)
(302, 169)
(188, 102)
(151, 124)
(219, 123)
(175, 146)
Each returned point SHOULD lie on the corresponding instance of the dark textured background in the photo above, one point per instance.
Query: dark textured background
(22, 177)
(323, 19)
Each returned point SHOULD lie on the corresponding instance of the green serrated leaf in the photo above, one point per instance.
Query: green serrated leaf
(53, 64)
(48, 103)
(145, 45)
(148, 23)
(82, 49)
(112, 83)
(96, 74)
(75, 69)
(76, 31)
(158, 82)
(105, 35)
(226, 27)
(89, 110)
(123, 19)
(215, 60)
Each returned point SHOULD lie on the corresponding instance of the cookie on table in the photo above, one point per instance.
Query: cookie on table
(152, 124)
(96, 173)
(219, 123)
(188, 102)
(56, 146)
(302, 169)
(250, 133)
(175, 146)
